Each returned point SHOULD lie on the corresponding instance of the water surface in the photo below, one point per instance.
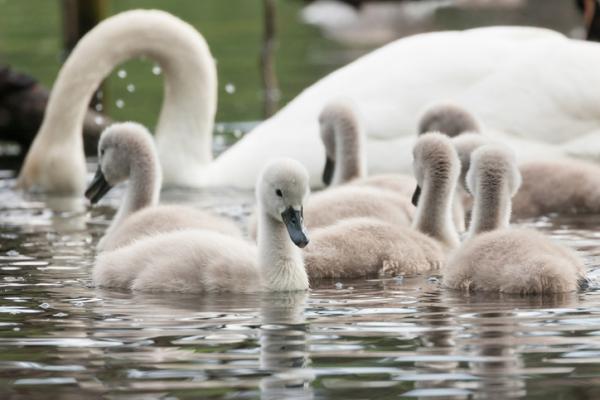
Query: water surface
(407, 338)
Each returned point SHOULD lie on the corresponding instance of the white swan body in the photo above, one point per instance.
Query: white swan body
(496, 258)
(196, 261)
(126, 152)
(484, 70)
(364, 246)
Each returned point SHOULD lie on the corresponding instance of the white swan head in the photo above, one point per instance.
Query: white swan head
(448, 118)
(125, 150)
(342, 136)
(282, 189)
(493, 166)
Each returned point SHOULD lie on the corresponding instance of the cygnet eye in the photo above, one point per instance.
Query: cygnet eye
(279, 193)
(101, 152)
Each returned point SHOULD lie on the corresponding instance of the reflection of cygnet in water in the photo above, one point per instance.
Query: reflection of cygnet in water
(284, 347)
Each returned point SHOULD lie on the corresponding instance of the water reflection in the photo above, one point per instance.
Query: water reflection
(284, 347)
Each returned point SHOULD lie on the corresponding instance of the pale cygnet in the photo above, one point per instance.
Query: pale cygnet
(126, 151)
(196, 261)
(456, 122)
(498, 258)
(557, 186)
(343, 137)
(364, 246)
(562, 186)
(354, 195)
(448, 118)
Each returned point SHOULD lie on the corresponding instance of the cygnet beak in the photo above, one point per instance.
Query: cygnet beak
(98, 187)
(293, 221)
(416, 195)
(328, 171)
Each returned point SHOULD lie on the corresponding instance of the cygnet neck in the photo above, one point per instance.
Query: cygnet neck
(189, 103)
(280, 261)
(143, 186)
(349, 150)
(491, 208)
(434, 210)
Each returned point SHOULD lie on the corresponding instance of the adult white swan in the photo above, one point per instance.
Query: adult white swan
(528, 84)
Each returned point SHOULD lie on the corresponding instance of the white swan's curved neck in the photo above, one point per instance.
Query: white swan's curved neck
(434, 210)
(279, 259)
(491, 209)
(185, 124)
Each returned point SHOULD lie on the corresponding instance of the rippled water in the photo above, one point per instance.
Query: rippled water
(60, 337)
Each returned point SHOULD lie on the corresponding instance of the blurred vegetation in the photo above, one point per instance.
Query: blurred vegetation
(31, 41)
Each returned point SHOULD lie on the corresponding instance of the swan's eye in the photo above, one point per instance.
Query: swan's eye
(101, 152)
(279, 193)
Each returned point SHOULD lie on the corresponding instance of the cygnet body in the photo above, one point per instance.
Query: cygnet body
(197, 261)
(361, 247)
(496, 258)
(126, 151)
(558, 186)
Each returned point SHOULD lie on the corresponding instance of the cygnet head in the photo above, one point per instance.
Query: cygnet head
(493, 167)
(282, 189)
(341, 134)
(465, 145)
(448, 118)
(434, 159)
(124, 149)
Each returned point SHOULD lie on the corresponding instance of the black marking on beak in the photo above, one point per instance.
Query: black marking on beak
(293, 220)
(583, 283)
(416, 195)
(98, 187)
(328, 171)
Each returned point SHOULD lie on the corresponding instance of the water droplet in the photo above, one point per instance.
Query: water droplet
(99, 107)
(339, 285)
(122, 74)
(99, 94)
(399, 278)
(230, 88)
(219, 141)
(60, 314)
(220, 128)
(78, 304)
(16, 329)
(45, 306)
(120, 103)
(131, 88)
(433, 279)
(156, 70)
(12, 253)
(237, 133)
(98, 120)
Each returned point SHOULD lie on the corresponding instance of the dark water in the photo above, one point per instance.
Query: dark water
(60, 337)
